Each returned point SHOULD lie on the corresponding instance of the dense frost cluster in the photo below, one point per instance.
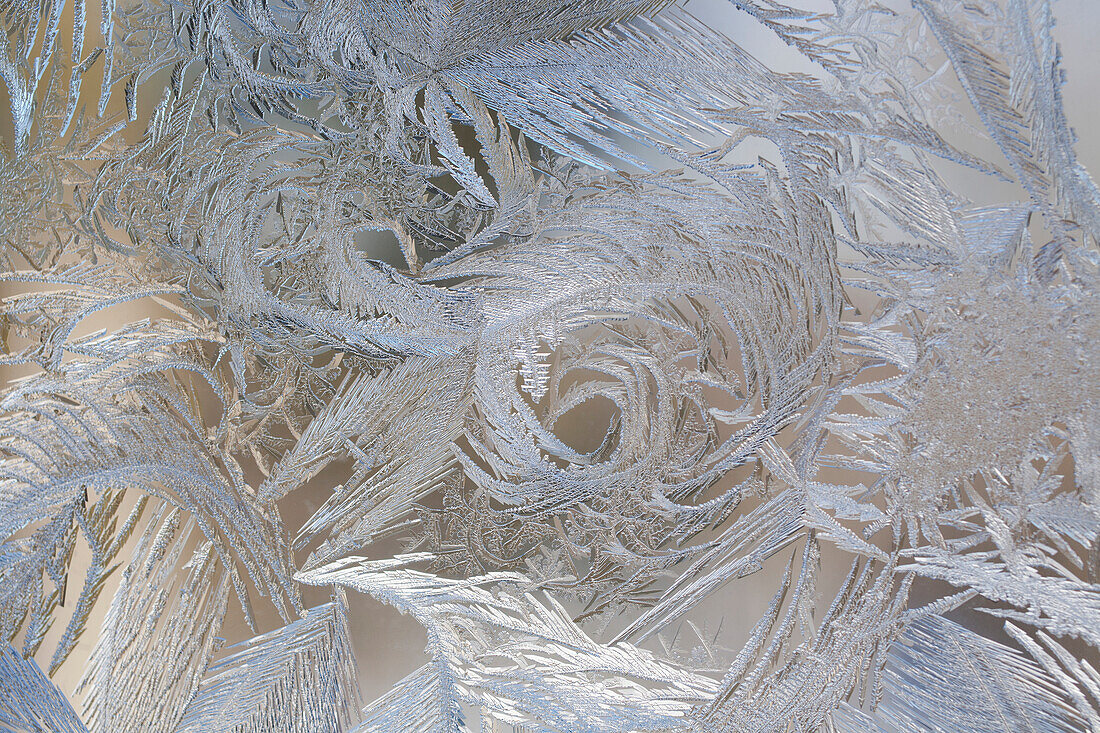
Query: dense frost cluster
(557, 326)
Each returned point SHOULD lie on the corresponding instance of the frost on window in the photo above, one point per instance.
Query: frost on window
(652, 365)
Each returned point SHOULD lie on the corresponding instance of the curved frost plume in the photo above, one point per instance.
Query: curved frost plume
(666, 365)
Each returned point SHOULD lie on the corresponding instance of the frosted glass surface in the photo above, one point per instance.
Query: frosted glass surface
(549, 365)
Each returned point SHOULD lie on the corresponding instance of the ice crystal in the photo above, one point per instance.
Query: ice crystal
(674, 366)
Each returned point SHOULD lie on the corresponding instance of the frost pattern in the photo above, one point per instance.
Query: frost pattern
(844, 317)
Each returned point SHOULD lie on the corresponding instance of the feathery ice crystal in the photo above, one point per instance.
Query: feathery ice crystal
(567, 328)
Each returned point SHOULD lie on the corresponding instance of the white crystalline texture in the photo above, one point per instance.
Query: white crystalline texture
(668, 383)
